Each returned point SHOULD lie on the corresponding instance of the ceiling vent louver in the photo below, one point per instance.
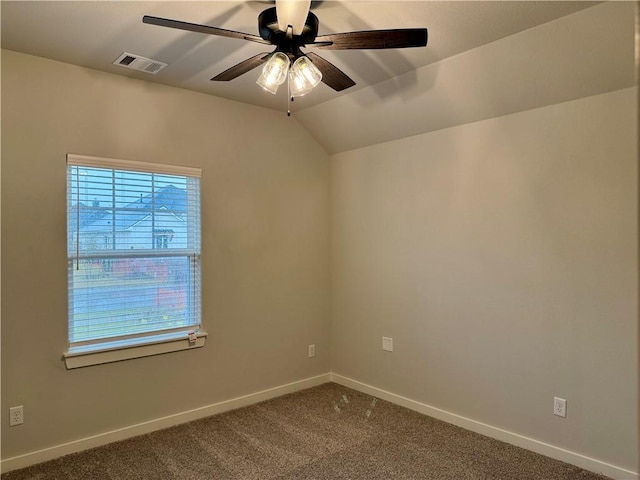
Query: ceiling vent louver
(142, 64)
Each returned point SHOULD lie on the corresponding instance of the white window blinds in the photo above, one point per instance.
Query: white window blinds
(133, 251)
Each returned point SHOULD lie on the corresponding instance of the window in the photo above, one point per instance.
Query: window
(133, 236)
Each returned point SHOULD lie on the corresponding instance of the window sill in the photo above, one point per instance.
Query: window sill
(125, 350)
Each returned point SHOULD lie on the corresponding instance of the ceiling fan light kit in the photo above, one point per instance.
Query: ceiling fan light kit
(303, 76)
(290, 26)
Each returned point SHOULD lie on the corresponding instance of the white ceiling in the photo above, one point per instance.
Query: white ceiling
(94, 33)
(588, 53)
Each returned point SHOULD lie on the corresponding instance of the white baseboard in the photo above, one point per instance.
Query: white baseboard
(56, 451)
(534, 445)
(537, 446)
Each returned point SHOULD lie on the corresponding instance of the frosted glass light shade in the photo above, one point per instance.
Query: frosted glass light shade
(274, 72)
(304, 77)
(292, 12)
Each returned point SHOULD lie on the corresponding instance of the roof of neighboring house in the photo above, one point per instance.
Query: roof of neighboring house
(166, 200)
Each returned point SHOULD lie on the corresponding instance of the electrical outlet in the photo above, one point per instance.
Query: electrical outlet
(560, 407)
(16, 416)
(387, 344)
(312, 351)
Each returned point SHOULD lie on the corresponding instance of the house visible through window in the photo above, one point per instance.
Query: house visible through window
(162, 237)
(133, 252)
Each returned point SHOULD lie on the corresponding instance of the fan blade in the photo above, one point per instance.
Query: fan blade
(369, 39)
(292, 12)
(331, 75)
(195, 27)
(242, 67)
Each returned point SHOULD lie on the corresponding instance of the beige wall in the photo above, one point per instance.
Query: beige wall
(501, 257)
(264, 242)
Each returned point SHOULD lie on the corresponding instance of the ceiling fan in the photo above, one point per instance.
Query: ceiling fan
(290, 26)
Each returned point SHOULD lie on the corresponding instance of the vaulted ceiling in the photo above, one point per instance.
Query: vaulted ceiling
(94, 33)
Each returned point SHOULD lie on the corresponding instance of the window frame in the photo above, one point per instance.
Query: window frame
(151, 343)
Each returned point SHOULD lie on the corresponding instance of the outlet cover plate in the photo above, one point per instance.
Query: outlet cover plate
(16, 416)
(387, 344)
(560, 407)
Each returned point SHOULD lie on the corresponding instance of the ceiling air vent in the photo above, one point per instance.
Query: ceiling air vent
(142, 64)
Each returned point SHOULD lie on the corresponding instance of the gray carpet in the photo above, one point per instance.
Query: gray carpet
(326, 432)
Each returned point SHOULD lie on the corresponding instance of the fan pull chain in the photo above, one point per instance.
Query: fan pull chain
(289, 97)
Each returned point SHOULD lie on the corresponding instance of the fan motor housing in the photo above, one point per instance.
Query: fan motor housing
(269, 30)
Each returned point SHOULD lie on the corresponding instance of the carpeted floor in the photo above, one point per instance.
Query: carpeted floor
(326, 432)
